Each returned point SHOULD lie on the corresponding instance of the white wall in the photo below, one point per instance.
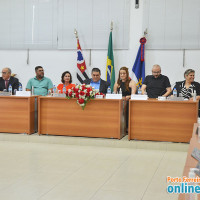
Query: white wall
(55, 62)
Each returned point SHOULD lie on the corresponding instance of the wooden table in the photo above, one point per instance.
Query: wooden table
(17, 114)
(61, 116)
(162, 120)
(190, 161)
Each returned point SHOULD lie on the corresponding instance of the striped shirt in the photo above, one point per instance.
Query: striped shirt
(187, 92)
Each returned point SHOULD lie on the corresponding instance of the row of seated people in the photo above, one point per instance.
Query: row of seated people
(154, 85)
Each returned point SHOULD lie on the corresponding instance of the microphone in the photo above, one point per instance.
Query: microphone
(136, 4)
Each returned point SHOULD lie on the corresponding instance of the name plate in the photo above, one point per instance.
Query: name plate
(99, 96)
(139, 97)
(23, 93)
(113, 96)
(5, 94)
(160, 98)
(58, 95)
(172, 98)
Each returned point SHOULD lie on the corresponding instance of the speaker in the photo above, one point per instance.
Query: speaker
(136, 4)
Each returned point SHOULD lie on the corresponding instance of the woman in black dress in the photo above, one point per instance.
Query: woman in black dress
(124, 83)
(127, 87)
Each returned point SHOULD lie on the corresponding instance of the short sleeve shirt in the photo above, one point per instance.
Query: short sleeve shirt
(41, 87)
(156, 86)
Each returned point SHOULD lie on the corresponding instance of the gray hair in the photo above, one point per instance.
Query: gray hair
(9, 70)
(188, 71)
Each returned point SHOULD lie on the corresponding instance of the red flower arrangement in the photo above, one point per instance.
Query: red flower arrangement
(83, 93)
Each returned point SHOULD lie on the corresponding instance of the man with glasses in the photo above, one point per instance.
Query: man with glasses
(7, 80)
(97, 82)
(156, 84)
(39, 83)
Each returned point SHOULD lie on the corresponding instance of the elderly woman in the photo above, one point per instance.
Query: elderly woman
(66, 80)
(124, 83)
(187, 87)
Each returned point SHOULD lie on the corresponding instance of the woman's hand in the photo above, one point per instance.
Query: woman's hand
(128, 97)
(191, 99)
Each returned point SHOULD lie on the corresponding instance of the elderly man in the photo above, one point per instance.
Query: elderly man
(156, 84)
(97, 82)
(7, 80)
(40, 83)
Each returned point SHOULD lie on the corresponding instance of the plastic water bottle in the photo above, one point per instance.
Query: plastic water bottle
(32, 90)
(139, 91)
(49, 92)
(120, 91)
(54, 89)
(175, 92)
(194, 95)
(64, 89)
(108, 90)
(20, 87)
(10, 89)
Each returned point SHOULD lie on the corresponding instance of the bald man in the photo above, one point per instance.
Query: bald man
(7, 80)
(156, 84)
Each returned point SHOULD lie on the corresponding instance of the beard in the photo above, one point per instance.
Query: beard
(40, 76)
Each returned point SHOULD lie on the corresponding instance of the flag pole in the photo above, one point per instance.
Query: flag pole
(111, 26)
(76, 33)
(145, 32)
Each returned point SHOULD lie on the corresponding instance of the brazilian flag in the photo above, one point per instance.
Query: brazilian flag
(110, 70)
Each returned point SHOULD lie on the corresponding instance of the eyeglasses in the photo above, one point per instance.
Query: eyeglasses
(155, 72)
(4, 72)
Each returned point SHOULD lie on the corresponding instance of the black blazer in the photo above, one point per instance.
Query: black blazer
(103, 85)
(13, 81)
(179, 85)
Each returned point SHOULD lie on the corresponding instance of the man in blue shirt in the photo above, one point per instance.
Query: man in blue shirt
(40, 83)
(97, 82)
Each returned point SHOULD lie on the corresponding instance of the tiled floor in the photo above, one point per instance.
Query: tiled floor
(41, 171)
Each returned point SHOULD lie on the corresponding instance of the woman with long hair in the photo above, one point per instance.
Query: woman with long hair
(125, 84)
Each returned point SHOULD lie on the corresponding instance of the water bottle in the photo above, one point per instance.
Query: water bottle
(20, 87)
(194, 95)
(49, 92)
(10, 89)
(32, 90)
(64, 89)
(108, 90)
(175, 92)
(120, 91)
(139, 91)
(54, 89)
